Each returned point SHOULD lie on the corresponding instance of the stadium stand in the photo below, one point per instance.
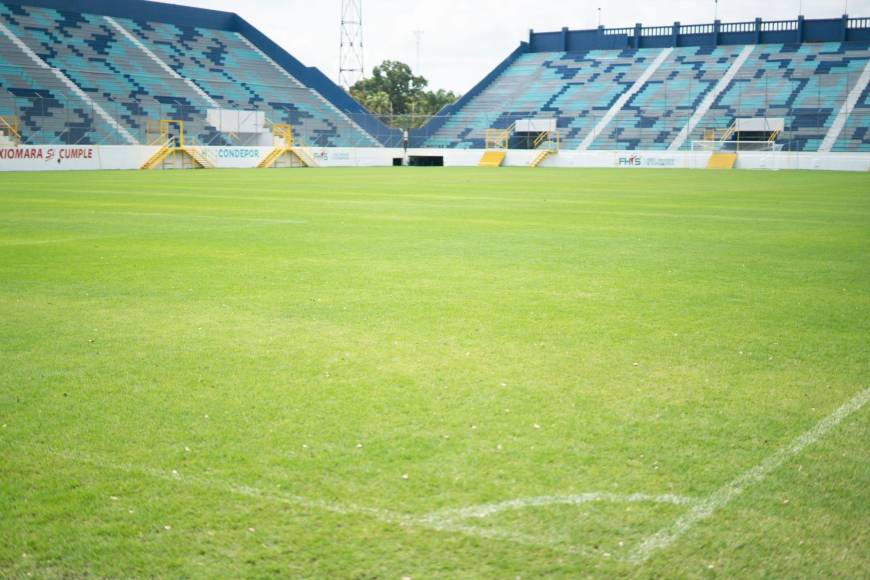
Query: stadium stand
(76, 77)
(666, 88)
(107, 71)
(571, 88)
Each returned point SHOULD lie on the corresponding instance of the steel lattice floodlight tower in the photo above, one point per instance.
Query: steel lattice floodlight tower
(351, 65)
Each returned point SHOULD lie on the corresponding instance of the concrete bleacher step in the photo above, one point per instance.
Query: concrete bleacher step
(160, 63)
(696, 89)
(73, 88)
(137, 71)
(623, 99)
(710, 98)
(841, 119)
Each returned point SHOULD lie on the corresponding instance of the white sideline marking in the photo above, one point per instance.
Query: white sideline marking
(447, 521)
(623, 99)
(166, 68)
(71, 85)
(721, 497)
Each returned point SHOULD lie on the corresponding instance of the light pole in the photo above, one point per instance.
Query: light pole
(351, 66)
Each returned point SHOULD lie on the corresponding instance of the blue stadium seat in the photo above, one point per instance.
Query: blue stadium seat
(239, 77)
(654, 116)
(576, 89)
(805, 84)
(132, 88)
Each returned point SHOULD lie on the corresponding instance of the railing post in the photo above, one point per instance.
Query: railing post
(758, 31)
(531, 40)
(844, 28)
(800, 29)
(717, 26)
(564, 39)
(675, 35)
(637, 31)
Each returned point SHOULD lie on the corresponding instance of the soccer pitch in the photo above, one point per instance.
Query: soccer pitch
(387, 373)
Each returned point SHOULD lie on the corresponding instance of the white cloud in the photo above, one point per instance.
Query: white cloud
(464, 39)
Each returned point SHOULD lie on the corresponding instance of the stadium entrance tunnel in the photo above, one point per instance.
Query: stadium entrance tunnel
(426, 161)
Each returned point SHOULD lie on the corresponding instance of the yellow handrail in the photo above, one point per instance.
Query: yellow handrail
(499, 138)
(283, 131)
(554, 137)
(11, 125)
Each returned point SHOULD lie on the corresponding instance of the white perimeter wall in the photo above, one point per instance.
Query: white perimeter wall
(49, 157)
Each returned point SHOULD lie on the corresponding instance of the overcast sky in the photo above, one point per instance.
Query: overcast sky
(463, 40)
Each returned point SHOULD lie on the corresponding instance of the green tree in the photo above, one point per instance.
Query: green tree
(394, 91)
(378, 103)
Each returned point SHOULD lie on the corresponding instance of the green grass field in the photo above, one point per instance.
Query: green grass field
(387, 373)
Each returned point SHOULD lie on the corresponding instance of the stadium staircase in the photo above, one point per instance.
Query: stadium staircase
(298, 157)
(540, 157)
(171, 157)
(492, 159)
(287, 148)
(720, 160)
(159, 156)
(198, 156)
(547, 143)
(497, 141)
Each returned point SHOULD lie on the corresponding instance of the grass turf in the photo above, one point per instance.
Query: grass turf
(191, 361)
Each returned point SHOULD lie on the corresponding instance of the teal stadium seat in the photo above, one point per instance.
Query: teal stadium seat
(806, 84)
(119, 77)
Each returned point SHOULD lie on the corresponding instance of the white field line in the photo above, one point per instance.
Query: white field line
(721, 497)
(386, 516)
(486, 510)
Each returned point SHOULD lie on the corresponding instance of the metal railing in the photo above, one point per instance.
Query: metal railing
(737, 27)
(779, 25)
